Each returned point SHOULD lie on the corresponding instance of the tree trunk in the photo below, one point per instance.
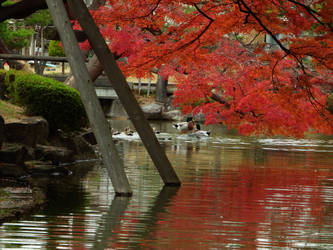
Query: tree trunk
(100, 126)
(161, 89)
(95, 69)
(32, 45)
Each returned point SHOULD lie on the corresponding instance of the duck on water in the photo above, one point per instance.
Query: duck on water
(129, 134)
(200, 133)
(191, 129)
(185, 127)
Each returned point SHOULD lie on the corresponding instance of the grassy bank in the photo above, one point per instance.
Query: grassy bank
(11, 112)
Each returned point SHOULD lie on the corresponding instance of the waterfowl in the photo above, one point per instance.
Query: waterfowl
(128, 131)
(185, 127)
(127, 134)
(200, 133)
(115, 132)
(156, 131)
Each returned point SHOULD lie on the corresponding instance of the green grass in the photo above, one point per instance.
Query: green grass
(10, 111)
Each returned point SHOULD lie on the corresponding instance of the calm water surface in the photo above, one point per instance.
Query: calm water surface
(237, 192)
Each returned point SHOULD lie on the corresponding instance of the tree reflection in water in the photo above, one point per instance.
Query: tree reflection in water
(236, 192)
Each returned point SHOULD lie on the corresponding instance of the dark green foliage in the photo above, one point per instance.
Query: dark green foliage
(40, 17)
(9, 90)
(14, 38)
(55, 49)
(59, 104)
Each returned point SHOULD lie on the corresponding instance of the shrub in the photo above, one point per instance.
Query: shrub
(55, 49)
(8, 84)
(59, 104)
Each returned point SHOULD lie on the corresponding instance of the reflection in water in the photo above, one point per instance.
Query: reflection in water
(107, 232)
(236, 192)
(109, 222)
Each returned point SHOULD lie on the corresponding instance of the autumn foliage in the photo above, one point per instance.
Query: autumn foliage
(216, 52)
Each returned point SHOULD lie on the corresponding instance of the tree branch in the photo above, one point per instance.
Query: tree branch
(211, 20)
(21, 9)
(249, 11)
(148, 14)
(312, 13)
(220, 99)
(287, 51)
(203, 13)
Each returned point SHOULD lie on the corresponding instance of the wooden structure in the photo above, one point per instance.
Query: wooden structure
(95, 114)
(99, 124)
(34, 58)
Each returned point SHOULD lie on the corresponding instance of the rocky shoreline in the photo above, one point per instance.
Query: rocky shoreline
(30, 158)
(17, 201)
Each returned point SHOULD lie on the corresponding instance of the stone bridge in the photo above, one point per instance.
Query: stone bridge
(107, 95)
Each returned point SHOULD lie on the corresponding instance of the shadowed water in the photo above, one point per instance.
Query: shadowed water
(237, 192)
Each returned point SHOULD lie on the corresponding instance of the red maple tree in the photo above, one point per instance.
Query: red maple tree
(216, 53)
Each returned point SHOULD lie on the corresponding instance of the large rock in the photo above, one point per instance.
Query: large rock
(173, 115)
(82, 148)
(2, 131)
(89, 137)
(76, 143)
(54, 154)
(13, 153)
(117, 110)
(10, 170)
(29, 131)
(152, 111)
(45, 168)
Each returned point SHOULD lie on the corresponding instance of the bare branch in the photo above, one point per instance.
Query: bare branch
(203, 13)
(21, 9)
(249, 11)
(211, 20)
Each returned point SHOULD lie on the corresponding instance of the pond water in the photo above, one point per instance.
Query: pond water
(237, 192)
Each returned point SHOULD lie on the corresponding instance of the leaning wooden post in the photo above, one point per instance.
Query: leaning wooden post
(124, 93)
(93, 108)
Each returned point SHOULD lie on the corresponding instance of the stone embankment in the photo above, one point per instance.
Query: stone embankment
(28, 153)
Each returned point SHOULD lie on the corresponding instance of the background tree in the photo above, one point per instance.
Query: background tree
(55, 49)
(38, 21)
(15, 35)
(240, 84)
(13, 39)
(10, 37)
